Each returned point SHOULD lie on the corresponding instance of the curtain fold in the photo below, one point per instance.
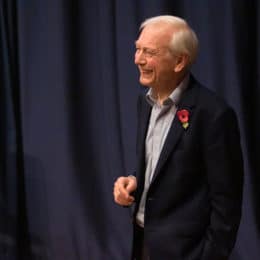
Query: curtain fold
(14, 237)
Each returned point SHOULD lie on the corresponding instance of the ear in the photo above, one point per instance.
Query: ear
(181, 62)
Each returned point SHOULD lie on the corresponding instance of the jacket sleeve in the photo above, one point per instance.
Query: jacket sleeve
(224, 168)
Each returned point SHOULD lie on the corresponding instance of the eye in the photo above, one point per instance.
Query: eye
(137, 49)
(149, 53)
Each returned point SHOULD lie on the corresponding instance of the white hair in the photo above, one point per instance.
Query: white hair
(184, 40)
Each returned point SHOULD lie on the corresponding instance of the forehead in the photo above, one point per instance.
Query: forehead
(155, 35)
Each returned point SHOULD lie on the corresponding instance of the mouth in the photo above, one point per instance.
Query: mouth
(145, 71)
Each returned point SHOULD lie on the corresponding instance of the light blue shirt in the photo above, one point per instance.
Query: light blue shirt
(160, 121)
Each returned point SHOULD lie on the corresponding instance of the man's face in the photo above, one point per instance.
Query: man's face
(155, 61)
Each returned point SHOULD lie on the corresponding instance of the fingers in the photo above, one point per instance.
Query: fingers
(132, 184)
(122, 199)
(122, 189)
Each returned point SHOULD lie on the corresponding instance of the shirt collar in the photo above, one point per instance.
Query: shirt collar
(174, 97)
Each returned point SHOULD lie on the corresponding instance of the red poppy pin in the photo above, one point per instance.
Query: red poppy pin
(183, 116)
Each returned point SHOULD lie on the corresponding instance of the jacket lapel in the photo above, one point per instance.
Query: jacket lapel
(144, 116)
(176, 130)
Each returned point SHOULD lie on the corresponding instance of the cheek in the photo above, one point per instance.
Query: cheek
(152, 65)
(152, 62)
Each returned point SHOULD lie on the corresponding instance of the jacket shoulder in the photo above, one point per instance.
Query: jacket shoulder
(210, 102)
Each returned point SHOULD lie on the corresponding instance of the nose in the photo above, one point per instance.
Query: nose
(139, 57)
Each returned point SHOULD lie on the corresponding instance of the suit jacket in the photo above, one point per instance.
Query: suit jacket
(193, 204)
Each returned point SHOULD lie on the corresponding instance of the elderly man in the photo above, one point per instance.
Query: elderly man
(187, 189)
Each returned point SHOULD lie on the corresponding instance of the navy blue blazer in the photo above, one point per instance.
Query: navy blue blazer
(193, 205)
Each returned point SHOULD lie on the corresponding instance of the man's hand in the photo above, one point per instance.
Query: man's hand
(123, 187)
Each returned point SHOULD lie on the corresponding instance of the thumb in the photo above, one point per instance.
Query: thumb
(131, 185)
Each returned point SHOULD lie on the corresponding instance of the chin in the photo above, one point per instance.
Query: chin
(145, 82)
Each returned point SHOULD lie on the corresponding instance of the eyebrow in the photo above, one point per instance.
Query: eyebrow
(145, 47)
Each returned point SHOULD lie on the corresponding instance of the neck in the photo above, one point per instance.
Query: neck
(162, 92)
(161, 96)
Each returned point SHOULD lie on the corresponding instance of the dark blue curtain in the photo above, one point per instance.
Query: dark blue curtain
(68, 95)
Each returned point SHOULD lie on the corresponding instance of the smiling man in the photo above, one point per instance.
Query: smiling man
(160, 67)
(187, 190)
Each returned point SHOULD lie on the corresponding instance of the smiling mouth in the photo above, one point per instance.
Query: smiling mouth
(145, 71)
